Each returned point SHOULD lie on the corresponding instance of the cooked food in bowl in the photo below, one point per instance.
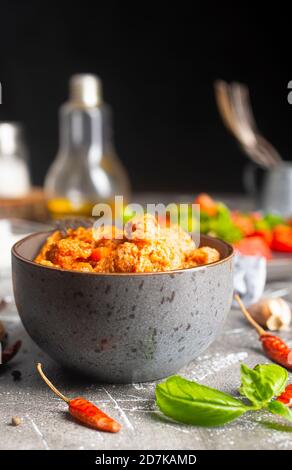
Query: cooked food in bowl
(144, 246)
(122, 327)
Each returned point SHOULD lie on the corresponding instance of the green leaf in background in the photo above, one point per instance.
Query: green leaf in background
(262, 224)
(128, 214)
(192, 403)
(222, 225)
(262, 383)
(278, 408)
(273, 220)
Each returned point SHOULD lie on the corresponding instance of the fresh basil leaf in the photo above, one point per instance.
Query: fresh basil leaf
(192, 403)
(262, 383)
(278, 408)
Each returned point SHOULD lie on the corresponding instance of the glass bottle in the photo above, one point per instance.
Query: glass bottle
(86, 170)
(14, 172)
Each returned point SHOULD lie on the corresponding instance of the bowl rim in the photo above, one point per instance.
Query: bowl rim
(159, 273)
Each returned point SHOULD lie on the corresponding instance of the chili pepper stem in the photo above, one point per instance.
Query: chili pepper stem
(248, 316)
(50, 385)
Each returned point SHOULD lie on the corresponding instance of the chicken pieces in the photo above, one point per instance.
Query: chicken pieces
(144, 246)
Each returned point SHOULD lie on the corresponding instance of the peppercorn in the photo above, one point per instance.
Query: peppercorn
(15, 421)
(16, 374)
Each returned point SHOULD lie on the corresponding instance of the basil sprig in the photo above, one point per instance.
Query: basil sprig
(278, 408)
(192, 403)
(262, 383)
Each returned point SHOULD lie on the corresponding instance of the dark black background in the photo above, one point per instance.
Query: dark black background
(158, 62)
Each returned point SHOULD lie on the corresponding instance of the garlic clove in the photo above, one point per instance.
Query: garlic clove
(260, 312)
(272, 313)
(281, 309)
(275, 323)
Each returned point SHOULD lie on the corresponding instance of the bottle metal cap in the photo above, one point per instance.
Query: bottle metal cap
(85, 90)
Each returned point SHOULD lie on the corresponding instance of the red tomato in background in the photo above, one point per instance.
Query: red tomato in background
(253, 246)
(282, 238)
(207, 204)
(267, 235)
(243, 222)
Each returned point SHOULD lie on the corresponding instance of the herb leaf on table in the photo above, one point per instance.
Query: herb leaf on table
(192, 403)
(262, 383)
(278, 408)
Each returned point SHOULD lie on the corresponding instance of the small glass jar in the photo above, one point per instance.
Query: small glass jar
(14, 171)
(86, 170)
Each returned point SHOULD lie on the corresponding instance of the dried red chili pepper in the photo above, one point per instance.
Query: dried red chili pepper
(84, 411)
(286, 396)
(274, 347)
(10, 351)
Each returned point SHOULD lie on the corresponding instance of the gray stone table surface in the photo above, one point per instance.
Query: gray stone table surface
(47, 425)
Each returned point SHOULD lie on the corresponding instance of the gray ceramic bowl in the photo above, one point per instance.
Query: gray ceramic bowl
(122, 327)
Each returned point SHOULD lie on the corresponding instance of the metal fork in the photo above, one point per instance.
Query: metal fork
(234, 105)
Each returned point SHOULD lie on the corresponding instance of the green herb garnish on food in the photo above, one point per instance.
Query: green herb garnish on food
(192, 403)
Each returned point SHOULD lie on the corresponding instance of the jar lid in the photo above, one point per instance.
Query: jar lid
(10, 136)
